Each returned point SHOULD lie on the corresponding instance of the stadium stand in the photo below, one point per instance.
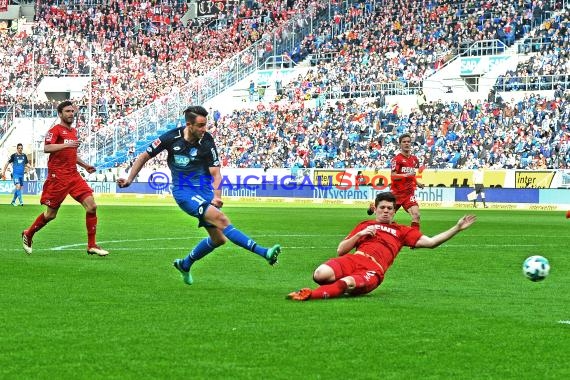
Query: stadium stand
(339, 113)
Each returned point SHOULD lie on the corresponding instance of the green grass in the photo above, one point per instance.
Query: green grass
(462, 311)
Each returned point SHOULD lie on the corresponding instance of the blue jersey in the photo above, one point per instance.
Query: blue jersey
(189, 163)
(19, 162)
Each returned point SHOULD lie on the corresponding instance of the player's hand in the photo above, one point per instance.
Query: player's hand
(370, 231)
(73, 144)
(420, 185)
(217, 202)
(90, 169)
(466, 222)
(121, 182)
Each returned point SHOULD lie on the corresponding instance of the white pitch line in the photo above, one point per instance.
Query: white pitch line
(564, 322)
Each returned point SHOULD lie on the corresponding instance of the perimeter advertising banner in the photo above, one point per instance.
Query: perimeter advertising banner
(533, 179)
(429, 177)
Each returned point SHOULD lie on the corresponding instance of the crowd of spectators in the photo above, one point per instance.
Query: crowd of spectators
(550, 63)
(533, 133)
(137, 51)
(360, 49)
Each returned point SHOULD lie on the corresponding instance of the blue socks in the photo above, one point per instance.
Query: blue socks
(204, 247)
(239, 238)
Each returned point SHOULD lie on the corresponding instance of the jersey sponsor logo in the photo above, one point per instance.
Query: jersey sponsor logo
(156, 143)
(386, 229)
(180, 160)
(67, 141)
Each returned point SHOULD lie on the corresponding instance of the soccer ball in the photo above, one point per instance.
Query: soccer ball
(536, 268)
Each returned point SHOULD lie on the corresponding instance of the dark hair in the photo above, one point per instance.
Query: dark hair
(385, 196)
(19, 145)
(192, 112)
(62, 105)
(403, 137)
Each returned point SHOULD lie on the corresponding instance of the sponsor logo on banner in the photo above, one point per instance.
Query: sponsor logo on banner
(328, 177)
(533, 179)
(460, 178)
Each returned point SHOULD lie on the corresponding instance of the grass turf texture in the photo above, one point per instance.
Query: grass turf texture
(463, 310)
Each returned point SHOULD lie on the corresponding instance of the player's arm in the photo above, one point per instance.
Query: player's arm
(418, 175)
(4, 170)
(432, 242)
(349, 243)
(90, 168)
(216, 174)
(135, 169)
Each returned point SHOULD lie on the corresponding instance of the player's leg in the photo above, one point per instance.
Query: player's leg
(204, 247)
(16, 191)
(483, 199)
(20, 187)
(334, 278)
(42, 219)
(414, 210)
(216, 217)
(82, 193)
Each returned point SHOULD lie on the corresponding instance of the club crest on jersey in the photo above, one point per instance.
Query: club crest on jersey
(156, 143)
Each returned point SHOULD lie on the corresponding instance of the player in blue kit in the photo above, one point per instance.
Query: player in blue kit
(19, 163)
(195, 168)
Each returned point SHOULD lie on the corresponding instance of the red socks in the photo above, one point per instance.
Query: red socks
(91, 224)
(38, 224)
(333, 290)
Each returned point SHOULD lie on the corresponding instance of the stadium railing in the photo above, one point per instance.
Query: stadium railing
(109, 145)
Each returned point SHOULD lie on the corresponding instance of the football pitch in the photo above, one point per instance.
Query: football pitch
(461, 311)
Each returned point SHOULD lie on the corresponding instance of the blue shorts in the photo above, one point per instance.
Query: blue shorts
(194, 201)
(19, 180)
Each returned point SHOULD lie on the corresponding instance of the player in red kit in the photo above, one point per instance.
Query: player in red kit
(377, 243)
(404, 179)
(63, 179)
(405, 168)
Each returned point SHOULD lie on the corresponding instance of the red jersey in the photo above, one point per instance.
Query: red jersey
(389, 239)
(64, 162)
(404, 165)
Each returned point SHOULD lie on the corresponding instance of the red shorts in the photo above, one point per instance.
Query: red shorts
(56, 189)
(406, 201)
(367, 274)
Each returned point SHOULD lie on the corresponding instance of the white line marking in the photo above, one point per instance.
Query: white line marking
(564, 322)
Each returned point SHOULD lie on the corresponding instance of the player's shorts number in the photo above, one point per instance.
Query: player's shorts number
(201, 201)
(413, 199)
